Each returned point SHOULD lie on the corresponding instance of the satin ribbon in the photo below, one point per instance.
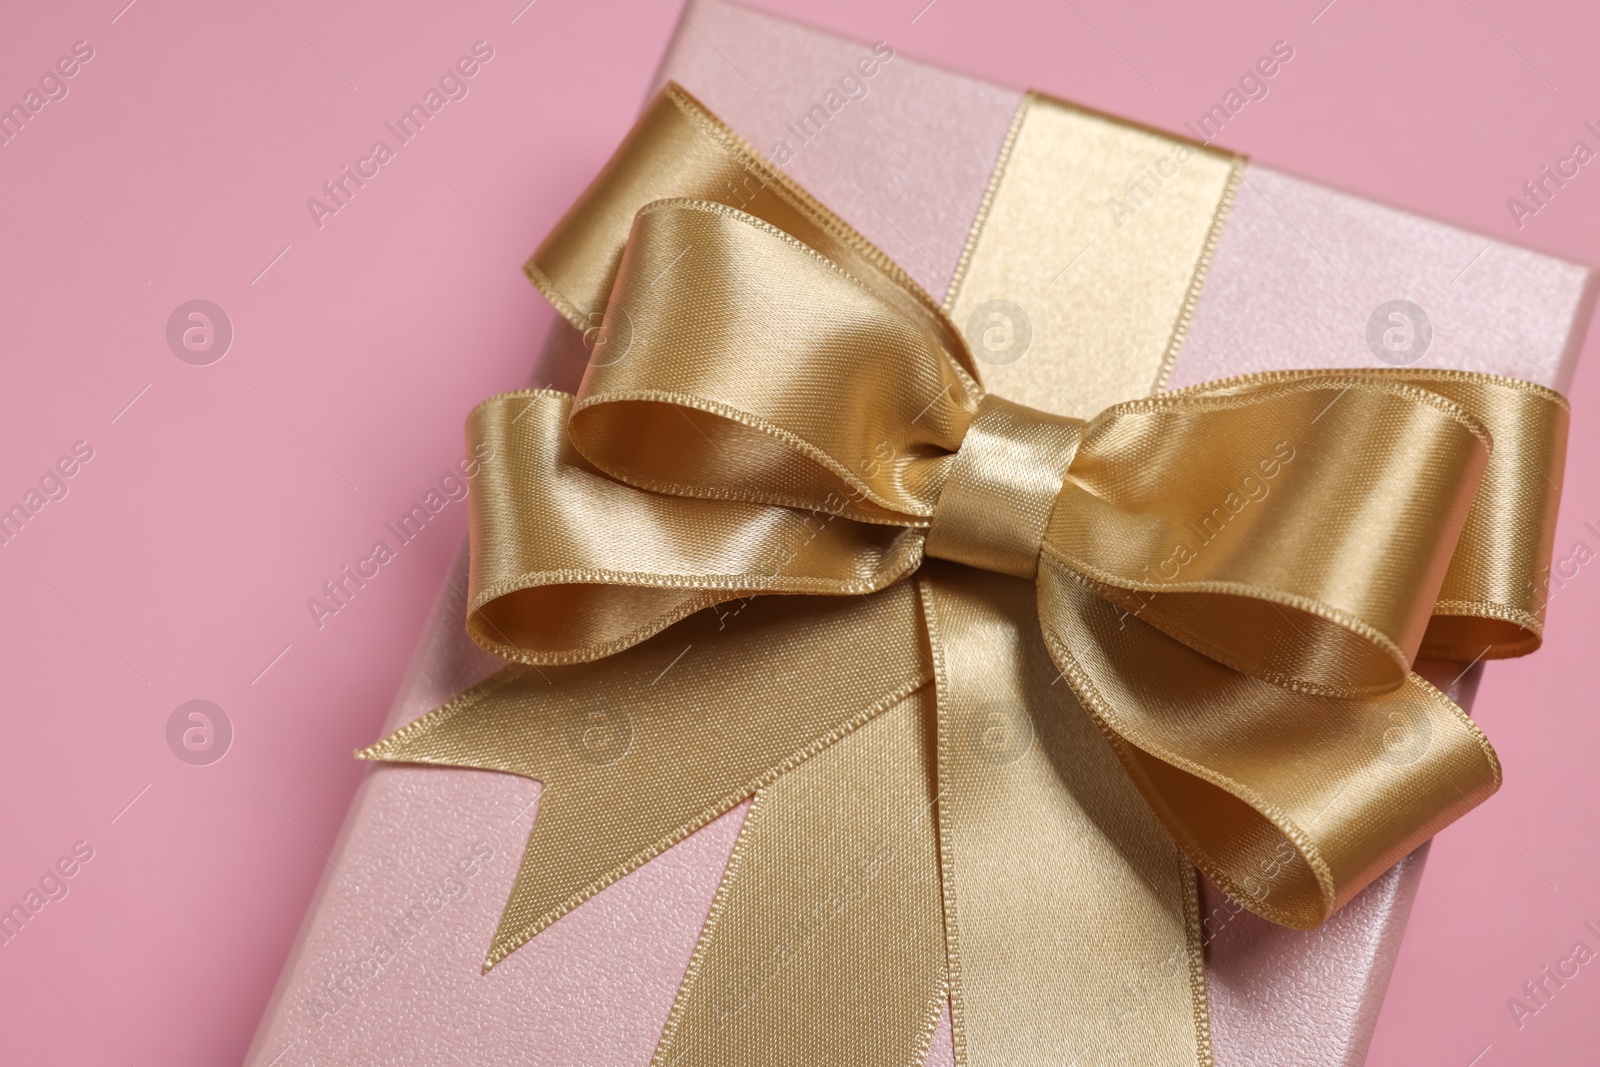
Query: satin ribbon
(1233, 580)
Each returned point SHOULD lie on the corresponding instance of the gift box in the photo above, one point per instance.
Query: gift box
(389, 964)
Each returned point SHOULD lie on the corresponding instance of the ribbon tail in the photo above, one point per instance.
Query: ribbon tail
(639, 751)
(826, 945)
(1071, 917)
(1292, 802)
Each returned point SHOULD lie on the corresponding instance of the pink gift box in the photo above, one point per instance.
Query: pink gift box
(387, 965)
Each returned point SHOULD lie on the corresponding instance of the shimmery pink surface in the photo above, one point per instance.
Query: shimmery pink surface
(179, 563)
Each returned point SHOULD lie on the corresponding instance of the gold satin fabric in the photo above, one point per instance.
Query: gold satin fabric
(835, 865)
(1232, 580)
(1072, 920)
(630, 761)
(1108, 293)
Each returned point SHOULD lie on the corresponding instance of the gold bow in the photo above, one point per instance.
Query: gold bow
(1233, 580)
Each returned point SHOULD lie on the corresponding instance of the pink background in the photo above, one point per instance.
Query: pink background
(179, 564)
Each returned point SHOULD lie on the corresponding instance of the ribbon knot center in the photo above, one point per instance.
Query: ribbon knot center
(996, 503)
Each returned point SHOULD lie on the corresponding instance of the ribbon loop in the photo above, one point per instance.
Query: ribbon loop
(996, 503)
(1291, 801)
(741, 339)
(1259, 528)
(1492, 601)
(569, 565)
